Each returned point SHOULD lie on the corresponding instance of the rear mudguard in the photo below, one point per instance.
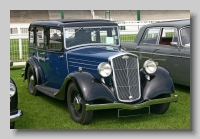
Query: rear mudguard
(90, 87)
(36, 69)
(160, 83)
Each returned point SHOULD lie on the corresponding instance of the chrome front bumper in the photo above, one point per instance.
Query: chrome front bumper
(173, 98)
(16, 116)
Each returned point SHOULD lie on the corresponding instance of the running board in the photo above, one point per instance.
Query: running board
(47, 90)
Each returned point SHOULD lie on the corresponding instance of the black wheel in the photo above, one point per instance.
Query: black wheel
(76, 106)
(31, 82)
(160, 108)
(12, 125)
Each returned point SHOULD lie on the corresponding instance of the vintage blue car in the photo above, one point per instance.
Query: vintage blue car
(80, 61)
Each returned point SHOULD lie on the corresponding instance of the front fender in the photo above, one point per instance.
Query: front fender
(36, 69)
(90, 86)
(160, 83)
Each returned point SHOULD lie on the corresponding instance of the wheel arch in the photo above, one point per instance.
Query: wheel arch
(90, 87)
(31, 62)
(160, 83)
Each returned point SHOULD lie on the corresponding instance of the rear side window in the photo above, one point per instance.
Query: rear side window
(151, 36)
(168, 35)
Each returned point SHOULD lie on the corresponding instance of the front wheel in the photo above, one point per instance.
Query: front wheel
(31, 82)
(160, 108)
(76, 106)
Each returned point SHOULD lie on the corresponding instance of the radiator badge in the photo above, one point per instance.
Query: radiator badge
(125, 57)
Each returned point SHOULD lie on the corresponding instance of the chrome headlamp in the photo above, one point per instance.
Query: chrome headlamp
(150, 66)
(12, 89)
(104, 69)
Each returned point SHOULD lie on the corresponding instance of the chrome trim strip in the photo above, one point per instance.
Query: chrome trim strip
(114, 79)
(82, 63)
(91, 44)
(128, 79)
(186, 57)
(84, 60)
(159, 54)
(81, 67)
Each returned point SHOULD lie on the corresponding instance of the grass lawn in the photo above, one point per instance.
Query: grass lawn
(44, 112)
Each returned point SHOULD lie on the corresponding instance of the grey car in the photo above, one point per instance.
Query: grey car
(167, 43)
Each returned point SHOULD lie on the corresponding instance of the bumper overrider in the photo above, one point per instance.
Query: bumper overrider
(16, 117)
(173, 98)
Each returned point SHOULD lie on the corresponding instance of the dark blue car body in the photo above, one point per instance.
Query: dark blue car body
(72, 73)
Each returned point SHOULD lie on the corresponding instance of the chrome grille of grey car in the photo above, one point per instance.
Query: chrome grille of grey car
(126, 77)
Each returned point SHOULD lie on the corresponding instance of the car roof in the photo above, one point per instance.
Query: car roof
(74, 22)
(175, 23)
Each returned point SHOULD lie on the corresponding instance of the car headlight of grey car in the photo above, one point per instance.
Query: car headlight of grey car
(150, 66)
(12, 89)
(104, 69)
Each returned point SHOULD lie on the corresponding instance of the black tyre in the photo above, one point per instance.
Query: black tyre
(160, 108)
(76, 106)
(31, 82)
(12, 125)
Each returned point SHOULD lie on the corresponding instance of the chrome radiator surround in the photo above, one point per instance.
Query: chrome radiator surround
(125, 76)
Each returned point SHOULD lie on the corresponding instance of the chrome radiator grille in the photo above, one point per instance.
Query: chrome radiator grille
(126, 77)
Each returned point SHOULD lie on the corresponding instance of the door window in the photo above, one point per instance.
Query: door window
(168, 35)
(151, 36)
(40, 37)
(55, 39)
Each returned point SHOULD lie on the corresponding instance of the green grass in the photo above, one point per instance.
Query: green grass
(44, 112)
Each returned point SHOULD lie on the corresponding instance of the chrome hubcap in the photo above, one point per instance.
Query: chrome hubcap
(77, 102)
(32, 80)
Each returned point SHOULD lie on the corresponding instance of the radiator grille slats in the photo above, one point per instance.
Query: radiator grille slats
(126, 77)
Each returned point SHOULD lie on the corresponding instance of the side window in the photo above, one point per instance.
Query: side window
(168, 35)
(55, 39)
(31, 37)
(151, 36)
(40, 37)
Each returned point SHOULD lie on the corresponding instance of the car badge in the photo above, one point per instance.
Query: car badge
(125, 57)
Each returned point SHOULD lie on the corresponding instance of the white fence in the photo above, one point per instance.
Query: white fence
(19, 38)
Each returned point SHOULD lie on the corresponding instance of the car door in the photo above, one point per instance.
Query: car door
(55, 63)
(185, 43)
(170, 56)
(147, 45)
(41, 52)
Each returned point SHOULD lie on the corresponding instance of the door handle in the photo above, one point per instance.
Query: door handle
(42, 53)
(61, 56)
(156, 49)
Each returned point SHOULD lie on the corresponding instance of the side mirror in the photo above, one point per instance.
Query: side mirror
(173, 43)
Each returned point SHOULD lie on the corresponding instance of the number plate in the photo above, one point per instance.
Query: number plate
(127, 113)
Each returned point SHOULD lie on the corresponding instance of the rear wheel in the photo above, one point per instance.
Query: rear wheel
(31, 82)
(160, 108)
(76, 106)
